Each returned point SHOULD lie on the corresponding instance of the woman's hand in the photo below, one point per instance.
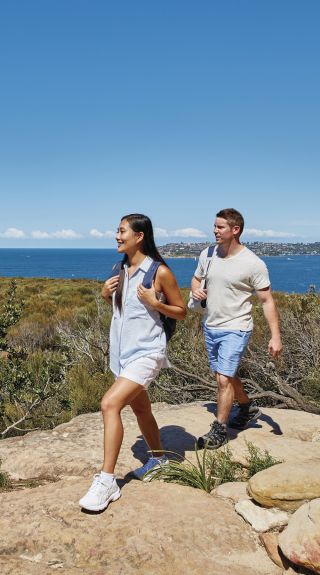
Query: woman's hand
(109, 287)
(147, 296)
(165, 283)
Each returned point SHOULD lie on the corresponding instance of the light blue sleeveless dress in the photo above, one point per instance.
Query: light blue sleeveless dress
(137, 330)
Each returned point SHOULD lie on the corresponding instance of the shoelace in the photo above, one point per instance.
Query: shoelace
(96, 483)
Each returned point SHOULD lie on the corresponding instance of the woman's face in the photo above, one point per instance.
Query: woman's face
(126, 238)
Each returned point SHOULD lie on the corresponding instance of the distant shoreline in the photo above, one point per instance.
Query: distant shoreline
(261, 249)
(188, 257)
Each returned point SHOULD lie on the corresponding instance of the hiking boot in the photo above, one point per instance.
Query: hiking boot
(246, 412)
(147, 471)
(215, 438)
(100, 494)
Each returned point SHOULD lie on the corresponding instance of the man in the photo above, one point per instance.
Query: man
(235, 273)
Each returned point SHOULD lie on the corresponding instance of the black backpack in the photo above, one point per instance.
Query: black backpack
(169, 324)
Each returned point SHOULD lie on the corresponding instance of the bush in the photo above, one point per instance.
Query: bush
(259, 460)
(86, 389)
(54, 346)
(214, 468)
(4, 479)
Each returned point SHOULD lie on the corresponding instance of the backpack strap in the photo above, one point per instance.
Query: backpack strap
(210, 251)
(116, 270)
(150, 274)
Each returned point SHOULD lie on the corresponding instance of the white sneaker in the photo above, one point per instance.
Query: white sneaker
(100, 494)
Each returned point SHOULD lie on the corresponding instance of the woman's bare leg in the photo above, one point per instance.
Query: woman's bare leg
(120, 394)
(141, 407)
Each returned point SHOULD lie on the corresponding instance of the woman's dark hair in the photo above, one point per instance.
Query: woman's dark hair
(138, 223)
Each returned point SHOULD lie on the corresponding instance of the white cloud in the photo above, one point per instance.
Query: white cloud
(181, 233)
(97, 234)
(38, 235)
(13, 233)
(161, 233)
(188, 233)
(267, 233)
(59, 234)
(66, 235)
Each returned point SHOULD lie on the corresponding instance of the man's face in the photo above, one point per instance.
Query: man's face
(223, 232)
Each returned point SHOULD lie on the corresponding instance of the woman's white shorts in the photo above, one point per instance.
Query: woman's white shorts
(144, 370)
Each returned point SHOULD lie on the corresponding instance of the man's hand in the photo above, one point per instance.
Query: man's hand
(199, 294)
(275, 346)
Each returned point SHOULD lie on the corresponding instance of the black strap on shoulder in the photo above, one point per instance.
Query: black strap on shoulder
(208, 259)
(116, 270)
(150, 273)
(210, 251)
(169, 324)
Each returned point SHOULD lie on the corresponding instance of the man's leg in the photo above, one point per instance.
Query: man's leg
(228, 390)
(239, 393)
(217, 434)
(225, 397)
(225, 350)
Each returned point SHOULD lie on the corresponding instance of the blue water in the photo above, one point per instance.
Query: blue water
(294, 274)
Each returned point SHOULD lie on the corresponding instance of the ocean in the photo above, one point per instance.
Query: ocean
(292, 274)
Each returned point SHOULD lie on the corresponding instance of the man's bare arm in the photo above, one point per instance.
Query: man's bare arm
(272, 317)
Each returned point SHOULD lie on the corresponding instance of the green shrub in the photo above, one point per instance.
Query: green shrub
(4, 479)
(259, 460)
(86, 389)
(211, 469)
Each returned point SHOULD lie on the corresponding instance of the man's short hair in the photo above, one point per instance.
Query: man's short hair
(233, 217)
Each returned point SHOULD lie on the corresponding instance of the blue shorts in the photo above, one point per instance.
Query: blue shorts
(225, 349)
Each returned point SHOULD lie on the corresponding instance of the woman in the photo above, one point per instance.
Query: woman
(137, 350)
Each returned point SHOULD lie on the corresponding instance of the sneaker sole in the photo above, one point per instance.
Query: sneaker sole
(142, 477)
(201, 444)
(148, 475)
(253, 418)
(102, 506)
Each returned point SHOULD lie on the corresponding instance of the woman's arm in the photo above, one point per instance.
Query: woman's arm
(166, 283)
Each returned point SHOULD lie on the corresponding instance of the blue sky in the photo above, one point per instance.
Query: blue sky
(171, 108)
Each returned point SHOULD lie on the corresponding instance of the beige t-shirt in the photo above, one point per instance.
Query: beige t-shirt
(231, 283)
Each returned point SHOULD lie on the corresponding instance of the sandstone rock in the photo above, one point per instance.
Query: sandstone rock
(316, 436)
(158, 529)
(234, 490)
(155, 528)
(75, 448)
(270, 542)
(300, 541)
(286, 486)
(261, 519)
(284, 449)
(290, 423)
